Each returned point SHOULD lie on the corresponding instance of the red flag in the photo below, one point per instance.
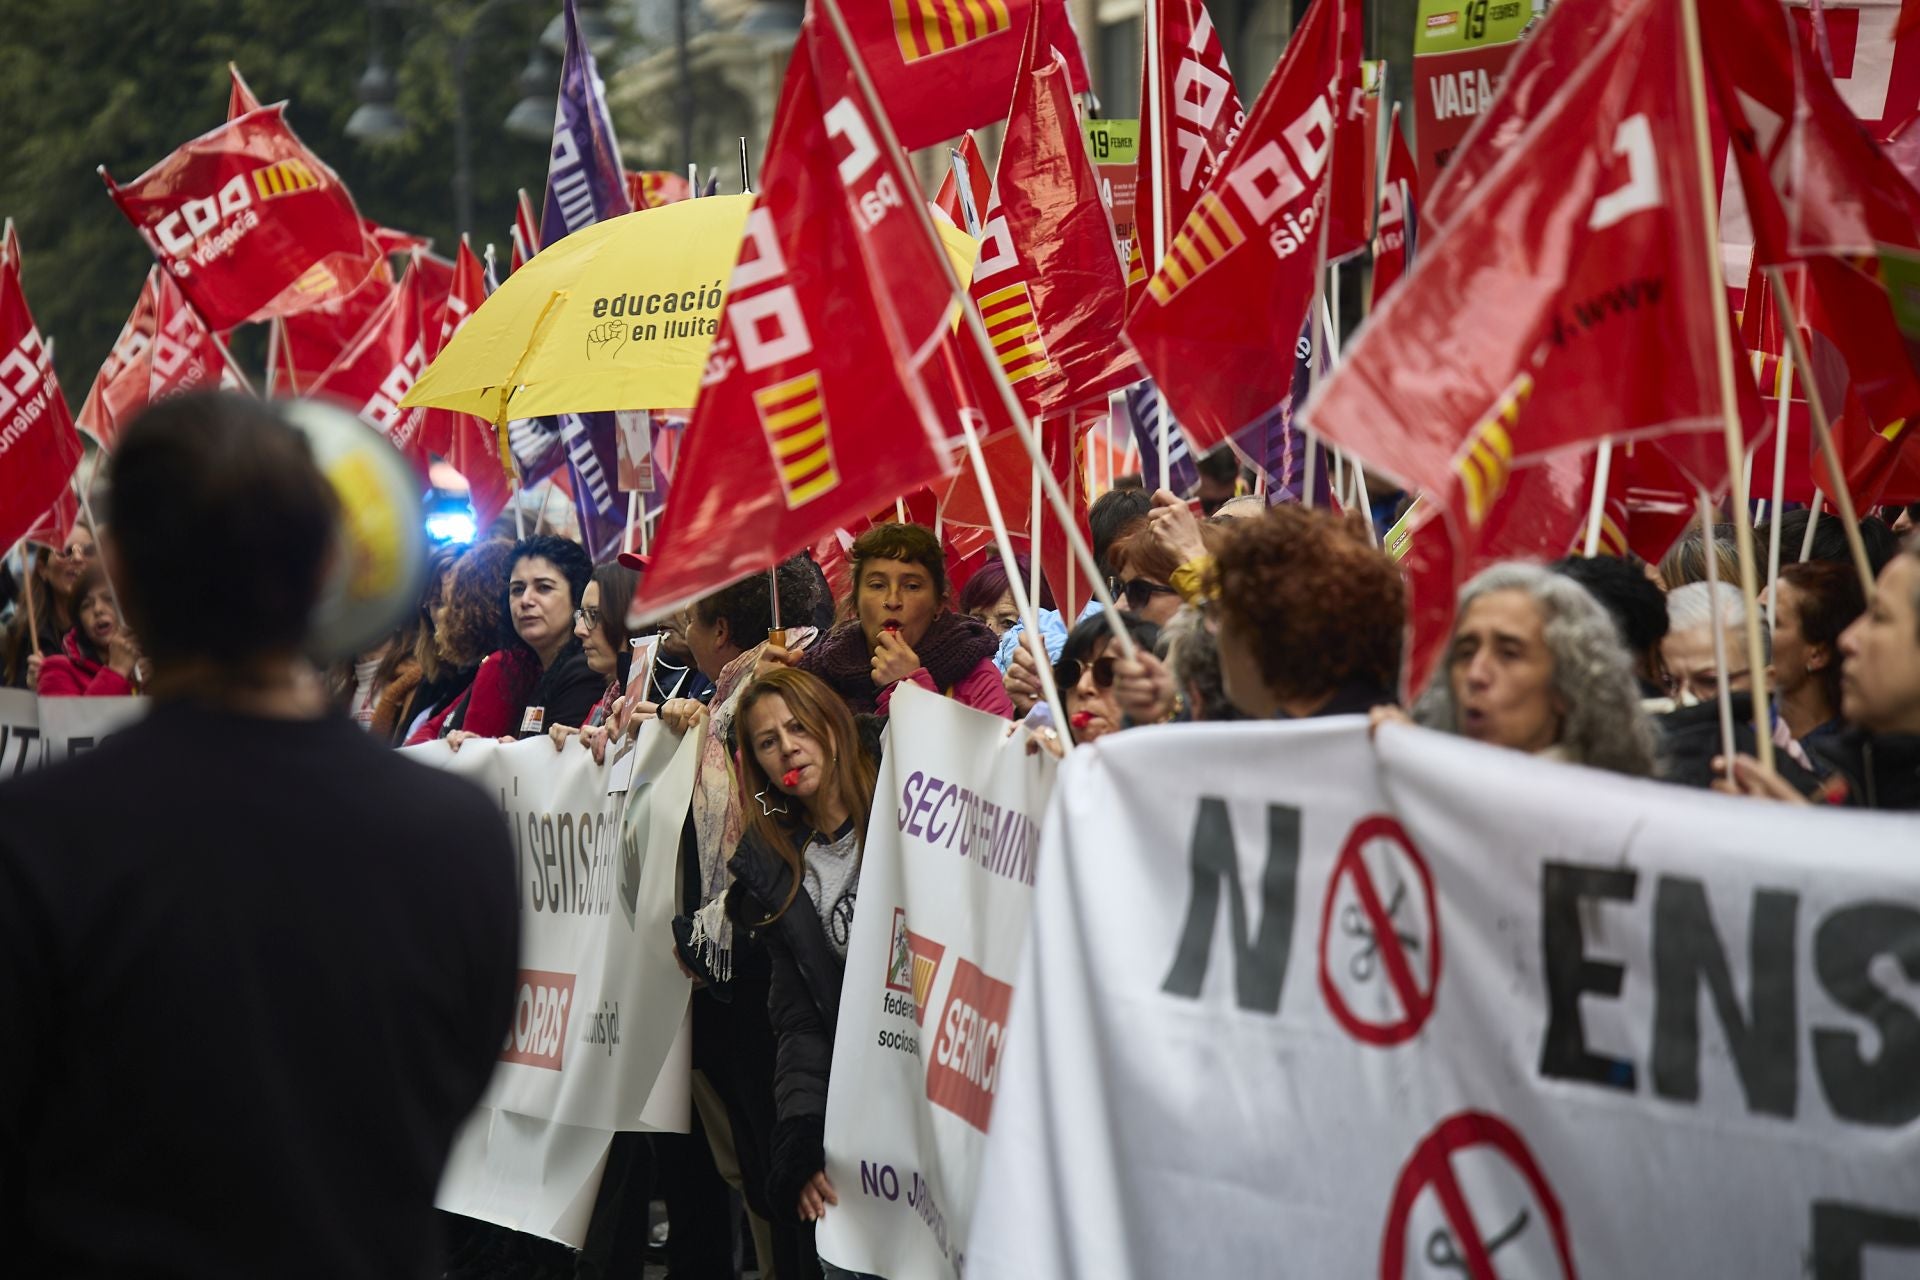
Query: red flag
(979, 187)
(379, 366)
(57, 521)
(942, 67)
(1048, 282)
(472, 444)
(1199, 118)
(314, 339)
(387, 241)
(240, 97)
(9, 244)
(526, 232)
(1215, 340)
(119, 389)
(1395, 228)
(1350, 187)
(1580, 254)
(250, 223)
(185, 355)
(813, 409)
(651, 188)
(38, 446)
(1534, 75)
(1063, 437)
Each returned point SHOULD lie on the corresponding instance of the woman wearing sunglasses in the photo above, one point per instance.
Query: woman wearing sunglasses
(1085, 674)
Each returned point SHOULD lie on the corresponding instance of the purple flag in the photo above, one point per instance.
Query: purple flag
(1143, 409)
(585, 183)
(593, 459)
(1277, 447)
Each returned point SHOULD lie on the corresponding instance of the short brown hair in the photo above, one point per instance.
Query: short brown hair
(1321, 606)
(908, 543)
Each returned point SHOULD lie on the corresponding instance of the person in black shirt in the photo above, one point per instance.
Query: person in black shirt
(255, 968)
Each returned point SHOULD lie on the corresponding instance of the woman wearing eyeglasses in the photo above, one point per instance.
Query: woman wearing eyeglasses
(1085, 675)
(600, 625)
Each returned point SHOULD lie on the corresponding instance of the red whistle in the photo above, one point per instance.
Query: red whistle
(1081, 719)
(889, 625)
(790, 777)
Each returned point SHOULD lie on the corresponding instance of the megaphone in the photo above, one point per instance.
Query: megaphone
(380, 562)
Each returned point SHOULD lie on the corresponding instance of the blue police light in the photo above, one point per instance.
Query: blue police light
(452, 526)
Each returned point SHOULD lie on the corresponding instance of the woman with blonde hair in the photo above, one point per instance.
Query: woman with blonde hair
(807, 771)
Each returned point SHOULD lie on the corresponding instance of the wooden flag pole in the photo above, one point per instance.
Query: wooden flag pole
(26, 592)
(1022, 601)
(1035, 531)
(1723, 360)
(1785, 389)
(626, 539)
(1597, 510)
(1722, 694)
(1822, 430)
(970, 315)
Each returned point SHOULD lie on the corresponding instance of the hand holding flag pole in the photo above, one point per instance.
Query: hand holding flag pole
(970, 316)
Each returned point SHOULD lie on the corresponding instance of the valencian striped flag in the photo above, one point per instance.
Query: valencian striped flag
(1049, 284)
(825, 397)
(250, 223)
(1221, 312)
(942, 67)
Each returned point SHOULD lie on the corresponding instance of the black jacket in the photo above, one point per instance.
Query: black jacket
(567, 689)
(1881, 771)
(803, 1001)
(1690, 739)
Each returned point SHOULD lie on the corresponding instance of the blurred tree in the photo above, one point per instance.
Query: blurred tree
(91, 82)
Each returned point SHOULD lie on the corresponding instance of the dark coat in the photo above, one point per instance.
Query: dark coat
(803, 1002)
(1879, 771)
(1690, 739)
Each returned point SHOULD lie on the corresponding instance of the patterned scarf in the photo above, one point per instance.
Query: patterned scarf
(954, 645)
(718, 821)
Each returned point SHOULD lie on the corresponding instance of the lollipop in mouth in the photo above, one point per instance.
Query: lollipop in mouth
(889, 625)
(790, 777)
(1081, 719)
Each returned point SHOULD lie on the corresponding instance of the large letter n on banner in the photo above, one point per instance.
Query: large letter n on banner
(1259, 969)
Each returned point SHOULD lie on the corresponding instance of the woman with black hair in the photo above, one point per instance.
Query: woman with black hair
(540, 677)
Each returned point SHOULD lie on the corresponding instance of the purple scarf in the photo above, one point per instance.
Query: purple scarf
(954, 645)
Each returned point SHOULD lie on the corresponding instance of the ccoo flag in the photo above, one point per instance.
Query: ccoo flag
(472, 444)
(942, 67)
(1193, 115)
(1048, 282)
(585, 183)
(39, 448)
(1397, 226)
(249, 223)
(815, 407)
(1217, 340)
(377, 369)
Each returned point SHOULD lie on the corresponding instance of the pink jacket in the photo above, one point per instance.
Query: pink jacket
(980, 689)
(74, 675)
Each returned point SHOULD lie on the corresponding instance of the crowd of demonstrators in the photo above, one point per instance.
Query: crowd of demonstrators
(600, 625)
(408, 680)
(43, 612)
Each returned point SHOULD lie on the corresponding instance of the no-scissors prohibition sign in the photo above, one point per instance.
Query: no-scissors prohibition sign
(1380, 935)
(1490, 1205)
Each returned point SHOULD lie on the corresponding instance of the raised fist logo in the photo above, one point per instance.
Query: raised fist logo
(606, 339)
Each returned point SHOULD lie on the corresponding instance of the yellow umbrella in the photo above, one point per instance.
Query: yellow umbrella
(618, 316)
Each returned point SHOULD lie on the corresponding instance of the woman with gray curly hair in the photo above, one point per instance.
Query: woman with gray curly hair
(1536, 664)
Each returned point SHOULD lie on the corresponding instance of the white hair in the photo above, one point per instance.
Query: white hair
(1695, 606)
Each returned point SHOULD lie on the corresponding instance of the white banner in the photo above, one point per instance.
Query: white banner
(600, 1039)
(1297, 1007)
(36, 732)
(946, 882)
